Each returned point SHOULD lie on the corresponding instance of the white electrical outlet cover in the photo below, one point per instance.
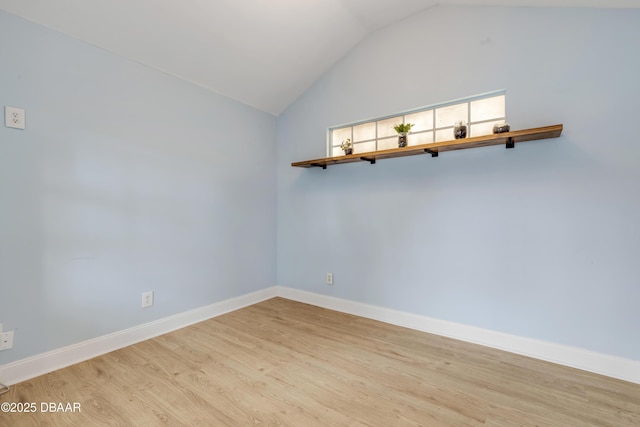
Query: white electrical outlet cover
(14, 117)
(147, 299)
(6, 340)
(329, 278)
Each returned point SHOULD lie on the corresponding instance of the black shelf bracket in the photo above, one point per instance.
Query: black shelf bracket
(371, 160)
(319, 165)
(433, 153)
(510, 143)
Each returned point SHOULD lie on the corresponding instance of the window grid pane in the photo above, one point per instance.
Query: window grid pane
(364, 132)
(449, 115)
(484, 128)
(364, 147)
(388, 143)
(422, 120)
(420, 138)
(385, 127)
(445, 134)
(487, 109)
(337, 136)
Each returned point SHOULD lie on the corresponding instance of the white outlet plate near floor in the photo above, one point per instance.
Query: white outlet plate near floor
(6, 340)
(14, 117)
(147, 299)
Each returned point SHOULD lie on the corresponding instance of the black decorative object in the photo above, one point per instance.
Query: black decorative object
(501, 127)
(460, 130)
(348, 151)
(402, 141)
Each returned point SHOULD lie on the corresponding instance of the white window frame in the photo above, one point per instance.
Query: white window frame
(437, 132)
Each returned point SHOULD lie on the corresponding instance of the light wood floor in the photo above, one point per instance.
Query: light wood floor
(281, 362)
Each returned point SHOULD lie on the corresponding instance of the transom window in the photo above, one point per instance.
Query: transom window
(431, 124)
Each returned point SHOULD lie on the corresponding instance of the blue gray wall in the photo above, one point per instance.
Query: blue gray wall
(128, 180)
(542, 241)
(125, 180)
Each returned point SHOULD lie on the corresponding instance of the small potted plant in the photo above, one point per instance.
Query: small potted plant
(403, 129)
(347, 146)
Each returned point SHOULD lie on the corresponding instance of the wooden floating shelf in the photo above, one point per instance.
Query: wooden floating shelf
(508, 139)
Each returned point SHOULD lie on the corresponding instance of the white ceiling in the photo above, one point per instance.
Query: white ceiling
(264, 53)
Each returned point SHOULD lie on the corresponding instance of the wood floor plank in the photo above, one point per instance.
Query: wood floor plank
(284, 363)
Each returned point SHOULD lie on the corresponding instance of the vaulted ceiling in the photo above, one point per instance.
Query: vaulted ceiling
(264, 53)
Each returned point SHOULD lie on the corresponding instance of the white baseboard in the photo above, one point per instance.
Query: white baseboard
(586, 360)
(611, 366)
(41, 364)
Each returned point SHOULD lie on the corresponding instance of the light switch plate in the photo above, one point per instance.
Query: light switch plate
(14, 117)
